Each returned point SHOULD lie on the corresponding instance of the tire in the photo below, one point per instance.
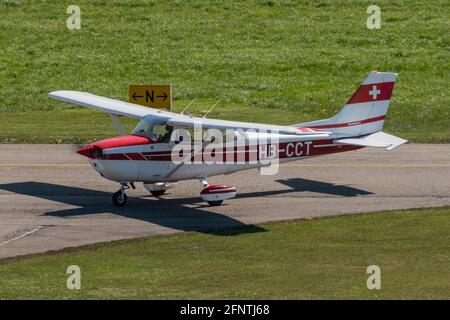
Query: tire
(119, 200)
(215, 203)
(158, 193)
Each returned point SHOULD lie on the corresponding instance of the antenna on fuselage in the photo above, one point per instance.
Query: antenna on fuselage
(210, 109)
(190, 103)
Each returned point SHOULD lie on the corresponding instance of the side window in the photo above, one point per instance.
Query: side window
(159, 130)
(163, 132)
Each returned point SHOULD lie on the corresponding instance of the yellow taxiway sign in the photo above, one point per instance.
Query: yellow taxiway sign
(151, 95)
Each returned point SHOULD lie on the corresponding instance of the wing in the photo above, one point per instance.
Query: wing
(117, 107)
(108, 105)
(186, 121)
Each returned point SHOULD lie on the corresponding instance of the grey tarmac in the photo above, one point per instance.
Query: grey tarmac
(51, 199)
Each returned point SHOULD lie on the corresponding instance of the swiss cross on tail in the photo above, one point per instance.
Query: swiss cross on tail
(372, 92)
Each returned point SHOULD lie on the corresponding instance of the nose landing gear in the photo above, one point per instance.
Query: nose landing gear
(119, 198)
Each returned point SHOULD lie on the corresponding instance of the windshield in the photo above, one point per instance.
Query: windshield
(154, 130)
(145, 128)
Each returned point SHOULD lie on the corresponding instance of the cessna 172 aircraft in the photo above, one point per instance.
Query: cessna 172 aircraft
(148, 157)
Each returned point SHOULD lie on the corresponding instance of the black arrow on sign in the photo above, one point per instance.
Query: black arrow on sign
(164, 96)
(135, 96)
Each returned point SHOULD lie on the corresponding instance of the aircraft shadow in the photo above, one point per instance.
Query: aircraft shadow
(187, 214)
(302, 185)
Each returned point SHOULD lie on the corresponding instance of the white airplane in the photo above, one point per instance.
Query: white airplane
(148, 157)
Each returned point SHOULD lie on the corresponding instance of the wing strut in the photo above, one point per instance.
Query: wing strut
(117, 124)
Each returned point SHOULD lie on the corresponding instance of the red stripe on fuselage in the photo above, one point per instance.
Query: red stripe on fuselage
(295, 149)
(135, 156)
(114, 156)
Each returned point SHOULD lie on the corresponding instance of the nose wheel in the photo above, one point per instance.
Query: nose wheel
(119, 198)
(215, 203)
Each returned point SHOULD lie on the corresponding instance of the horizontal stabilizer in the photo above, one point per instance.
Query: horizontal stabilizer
(378, 140)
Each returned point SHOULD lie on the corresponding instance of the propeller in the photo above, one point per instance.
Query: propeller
(75, 147)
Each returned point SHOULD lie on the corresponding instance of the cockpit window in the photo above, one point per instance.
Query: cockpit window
(156, 132)
(144, 128)
(164, 132)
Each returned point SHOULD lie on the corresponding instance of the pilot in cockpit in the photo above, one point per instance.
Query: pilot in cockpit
(166, 137)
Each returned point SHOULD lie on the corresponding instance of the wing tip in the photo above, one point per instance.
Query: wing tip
(59, 93)
(397, 144)
(64, 92)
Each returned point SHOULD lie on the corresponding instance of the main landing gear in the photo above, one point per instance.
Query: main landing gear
(214, 195)
(120, 198)
(158, 193)
(157, 189)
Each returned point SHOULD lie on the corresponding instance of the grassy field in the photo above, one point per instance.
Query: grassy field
(309, 259)
(271, 61)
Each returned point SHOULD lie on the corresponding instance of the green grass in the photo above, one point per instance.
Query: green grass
(307, 259)
(283, 61)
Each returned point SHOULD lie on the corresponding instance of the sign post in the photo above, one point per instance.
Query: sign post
(154, 96)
